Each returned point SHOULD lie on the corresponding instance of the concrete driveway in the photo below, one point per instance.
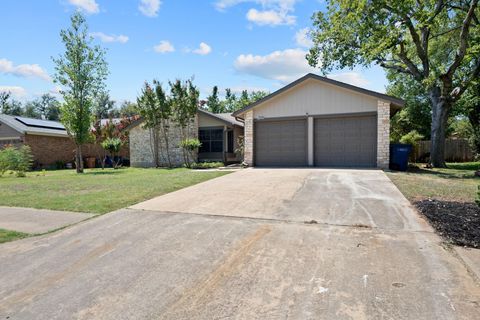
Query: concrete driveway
(231, 249)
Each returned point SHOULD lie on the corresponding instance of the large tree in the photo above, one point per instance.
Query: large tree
(10, 106)
(435, 42)
(48, 107)
(81, 71)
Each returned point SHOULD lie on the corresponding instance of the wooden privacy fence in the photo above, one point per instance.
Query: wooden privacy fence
(456, 150)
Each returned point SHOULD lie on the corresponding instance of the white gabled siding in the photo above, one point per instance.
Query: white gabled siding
(315, 98)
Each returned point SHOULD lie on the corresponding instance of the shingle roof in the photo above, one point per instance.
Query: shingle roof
(34, 126)
(225, 117)
(394, 100)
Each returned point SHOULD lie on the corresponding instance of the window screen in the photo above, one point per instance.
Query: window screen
(211, 139)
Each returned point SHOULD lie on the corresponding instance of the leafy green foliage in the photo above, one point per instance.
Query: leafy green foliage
(190, 147)
(213, 102)
(18, 160)
(411, 138)
(113, 145)
(103, 106)
(206, 165)
(10, 106)
(231, 103)
(191, 144)
(81, 71)
(155, 108)
(127, 109)
(46, 107)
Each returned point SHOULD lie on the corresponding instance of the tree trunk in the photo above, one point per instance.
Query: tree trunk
(165, 125)
(154, 145)
(440, 110)
(79, 159)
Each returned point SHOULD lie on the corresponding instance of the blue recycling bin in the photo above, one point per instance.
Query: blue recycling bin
(399, 154)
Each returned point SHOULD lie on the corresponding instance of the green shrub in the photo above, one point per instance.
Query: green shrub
(206, 165)
(18, 160)
(412, 138)
(190, 146)
(113, 145)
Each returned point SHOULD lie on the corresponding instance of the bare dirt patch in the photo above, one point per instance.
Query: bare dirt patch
(458, 222)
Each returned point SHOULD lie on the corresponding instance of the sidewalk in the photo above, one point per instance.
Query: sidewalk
(34, 221)
(471, 257)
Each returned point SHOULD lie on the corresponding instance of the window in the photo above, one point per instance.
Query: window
(211, 139)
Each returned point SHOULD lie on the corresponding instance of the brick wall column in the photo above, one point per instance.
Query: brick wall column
(248, 138)
(383, 134)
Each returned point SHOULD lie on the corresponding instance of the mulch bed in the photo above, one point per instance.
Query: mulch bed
(458, 222)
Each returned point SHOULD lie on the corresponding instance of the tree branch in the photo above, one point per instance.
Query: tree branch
(396, 67)
(462, 49)
(409, 63)
(459, 90)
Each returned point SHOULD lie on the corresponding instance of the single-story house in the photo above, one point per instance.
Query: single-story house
(316, 121)
(218, 134)
(48, 140)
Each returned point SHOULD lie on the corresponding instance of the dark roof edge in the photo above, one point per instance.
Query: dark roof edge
(394, 100)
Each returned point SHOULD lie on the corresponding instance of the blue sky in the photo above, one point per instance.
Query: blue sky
(240, 44)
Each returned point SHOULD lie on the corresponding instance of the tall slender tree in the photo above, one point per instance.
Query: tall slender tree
(149, 110)
(184, 102)
(164, 114)
(81, 71)
(435, 42)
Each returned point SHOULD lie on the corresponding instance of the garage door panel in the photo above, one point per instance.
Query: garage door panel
(281, 143)
(345, 141)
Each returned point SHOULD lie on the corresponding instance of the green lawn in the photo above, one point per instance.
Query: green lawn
(456, 183)
(7, 235)
(96, 191)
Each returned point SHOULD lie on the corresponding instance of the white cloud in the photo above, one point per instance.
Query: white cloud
(353, 78)
(203, 49)
(284, 66)
(272, 13)
(89, 6)
(302, 39)
(149, 8)
(110, 38)
(16, 91)
(163, 47)
(23, 70)
(270, 17)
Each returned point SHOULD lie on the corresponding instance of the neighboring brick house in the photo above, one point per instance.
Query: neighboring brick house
(218, 133)
(316, 121)
(48, 140)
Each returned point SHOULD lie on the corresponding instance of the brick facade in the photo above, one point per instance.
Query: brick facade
(141, 153)
(249, 137)
(47, 150)
(383, 134)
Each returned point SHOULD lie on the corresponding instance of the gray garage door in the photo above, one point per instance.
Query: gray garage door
(281, 143)
(346, 141)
